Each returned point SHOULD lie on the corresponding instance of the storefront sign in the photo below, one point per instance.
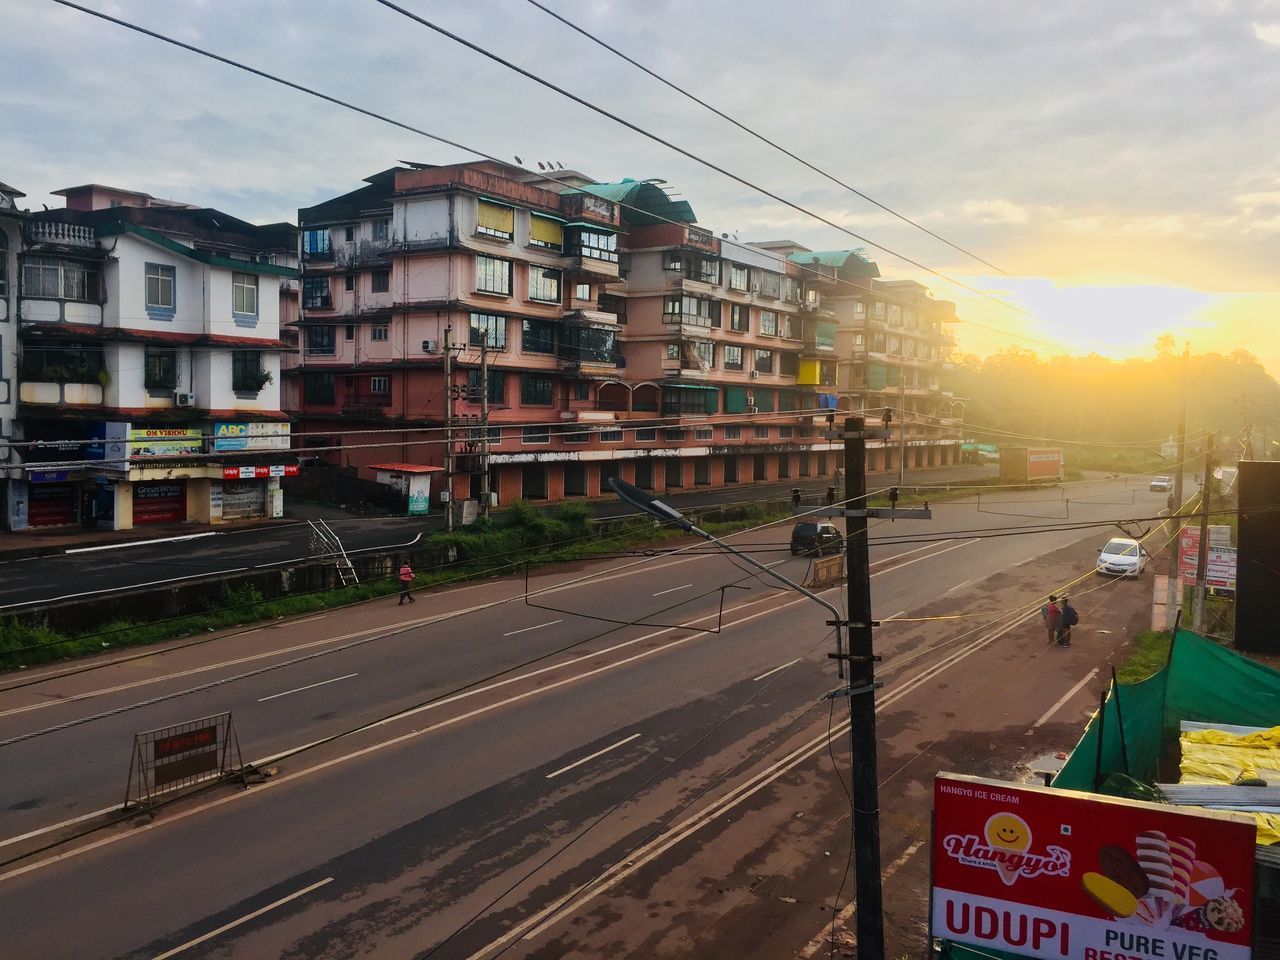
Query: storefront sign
(47, 476)
(260, 472)
(1061, 875)
(251, 436)
(164, 442)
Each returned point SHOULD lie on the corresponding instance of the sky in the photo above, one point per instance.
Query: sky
(1118, 161)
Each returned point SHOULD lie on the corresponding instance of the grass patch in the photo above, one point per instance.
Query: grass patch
(1150, 654)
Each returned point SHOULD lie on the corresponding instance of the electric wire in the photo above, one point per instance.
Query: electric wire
(759, 136)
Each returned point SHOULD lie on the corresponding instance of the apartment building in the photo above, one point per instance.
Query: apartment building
(534, 335)
(11, 218)
(150, 364)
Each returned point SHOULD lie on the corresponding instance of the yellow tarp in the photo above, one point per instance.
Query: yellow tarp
(1218, 757)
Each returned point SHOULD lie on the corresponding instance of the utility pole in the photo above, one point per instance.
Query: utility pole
(862, 700)
(448, 426)
(1175, 584)
(902, 427)
(484, 424)
(1202, 559)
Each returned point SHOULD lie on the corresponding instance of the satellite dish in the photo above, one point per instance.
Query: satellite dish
(559, 164)
(540, 166)
(519, 161)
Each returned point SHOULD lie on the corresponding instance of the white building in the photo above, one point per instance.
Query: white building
(150, 338)
(10, 242)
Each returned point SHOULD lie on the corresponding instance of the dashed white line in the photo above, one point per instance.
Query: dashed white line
(962, 583)
(242, 920)
(683, 586)
(895, 616)
(598, 753)
(309, 686)
(536, 626)
(140, 543)
(776, 669)
(1065, 697)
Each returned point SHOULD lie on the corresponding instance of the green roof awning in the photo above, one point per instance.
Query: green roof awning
(690, 386)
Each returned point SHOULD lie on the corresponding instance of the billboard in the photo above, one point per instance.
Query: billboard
(164, 442)
(260, 472)
(1219, 548)
(251, 436)
(1062, 875)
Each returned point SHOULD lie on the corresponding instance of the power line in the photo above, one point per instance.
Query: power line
(759, 136)
(476, 48)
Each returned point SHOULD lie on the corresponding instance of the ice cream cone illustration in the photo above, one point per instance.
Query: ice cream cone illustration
(1007, 832)
(1183, 852)
(1156, 861)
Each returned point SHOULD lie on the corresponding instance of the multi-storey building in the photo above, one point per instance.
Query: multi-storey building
(10, 243)
(150, 363)
(548, 333)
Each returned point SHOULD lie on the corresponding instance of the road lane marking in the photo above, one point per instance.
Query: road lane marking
(896, 615)
(962, 583)
(776, 669)
(536, 626)
(140, 543)
(309, 686)
(598, 753)
(683, 586)
(1065, 697)
(242, 920)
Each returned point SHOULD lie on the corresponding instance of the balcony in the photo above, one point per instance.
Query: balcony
(60, 394)
(590, 316)
(59, 234)
(592, 265)
(366, 404)
(364, 253)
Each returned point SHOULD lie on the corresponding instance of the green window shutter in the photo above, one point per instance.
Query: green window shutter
(764, 401)
(735, 399)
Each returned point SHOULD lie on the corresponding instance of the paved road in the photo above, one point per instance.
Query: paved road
(518, 727)
(119, 565)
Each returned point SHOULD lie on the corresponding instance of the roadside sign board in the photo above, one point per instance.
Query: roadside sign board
(1189, 548)
(181, 755)
(1063, 875)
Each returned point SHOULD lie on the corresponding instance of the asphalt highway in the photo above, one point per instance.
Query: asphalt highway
(481, 729)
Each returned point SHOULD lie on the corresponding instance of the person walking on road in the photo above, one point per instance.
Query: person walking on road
(406, 582)
(1069, 619)
(1052, 618)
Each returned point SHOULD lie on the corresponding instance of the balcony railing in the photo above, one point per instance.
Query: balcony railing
(63, 234)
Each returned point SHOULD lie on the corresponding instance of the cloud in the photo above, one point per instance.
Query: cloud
(1267, 32)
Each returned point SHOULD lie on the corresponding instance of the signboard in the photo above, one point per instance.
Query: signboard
(419, 494)
(181, 755)
(1220, 572)
(260, 472)
(48, 476)
(164, 442)
(1061, 875)
(1189, 549)
(251, 436)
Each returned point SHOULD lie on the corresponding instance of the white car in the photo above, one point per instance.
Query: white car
(1161, 484)
(1122, 557)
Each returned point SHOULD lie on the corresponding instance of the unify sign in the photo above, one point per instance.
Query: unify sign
(1062, 875)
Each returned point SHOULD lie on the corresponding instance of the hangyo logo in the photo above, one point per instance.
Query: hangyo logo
(1005, 847)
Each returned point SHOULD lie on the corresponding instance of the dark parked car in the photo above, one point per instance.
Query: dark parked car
(816, 538)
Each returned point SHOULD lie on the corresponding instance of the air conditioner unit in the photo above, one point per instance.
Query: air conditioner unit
(755, 288)
(753, 375)
(430, 346)
(184, 399)
(751, 409)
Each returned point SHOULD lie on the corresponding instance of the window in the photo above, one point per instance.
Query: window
(859, 308)
(379, 332)
(161, 281)
(770, 284)
(705, 351)
(733, 433)
(790, 289)
(318, 388)
(735, 399)
(685, 400)
(349, 282)
(895, 315)
(673, 351)
(539, 433)
(789, 364)
(879, 310)
(739, 277)
(581, 390)
(582, 291)
(315, 242)
(244, 294)
(380, 385)
(691, 310)
(575, 433)
(764, 361)
(488, 330)
(544, 285)
(497, 392)
(315, 293)
(877, 343)
(646, 435)
(67, 362)
(320, 341)
(673, 434)
(589, 345)
(349, 234)
(546, 233)
(703, 269)
(161, 370)
(55, 279)
(895, 345)
(381, 281)
(610, 436)
(595, 244)
(760, 433)
(784, 433)
(538, 336)
(247, 375)
(910, 316)
(909, 347)
(493, 276)
(536, 390)
(4, 264)
(381, 229)
(732, 357)
(704, 433)
(350, 332)
(768, 323)
(739, 317)
(787, 328)
(858, 339)
(495, 220)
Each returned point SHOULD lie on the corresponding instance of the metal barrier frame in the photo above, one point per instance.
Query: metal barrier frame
(182, 755)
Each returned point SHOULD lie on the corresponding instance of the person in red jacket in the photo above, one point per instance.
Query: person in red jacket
(1052, 618)
(406, 581)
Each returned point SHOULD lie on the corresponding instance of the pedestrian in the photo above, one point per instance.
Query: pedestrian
(1052, 618)
(1069, 619)
(406, 581)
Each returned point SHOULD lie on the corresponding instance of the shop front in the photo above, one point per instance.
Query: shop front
(159, 501)
(53, 499)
